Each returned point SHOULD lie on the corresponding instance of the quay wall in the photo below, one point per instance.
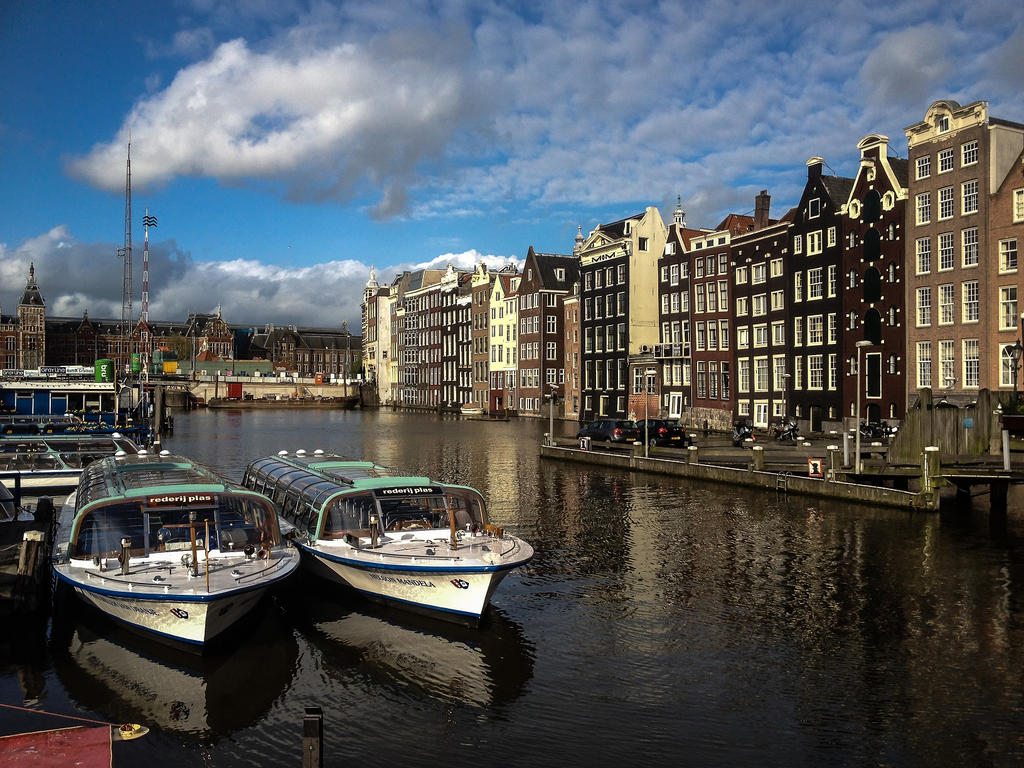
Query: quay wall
(808, 486)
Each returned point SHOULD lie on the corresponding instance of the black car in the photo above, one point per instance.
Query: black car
(663, 432)
(610, 430)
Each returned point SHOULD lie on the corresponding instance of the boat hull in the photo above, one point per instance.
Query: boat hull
(455, 594)
(191, 620)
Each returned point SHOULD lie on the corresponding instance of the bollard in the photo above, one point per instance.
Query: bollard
(126, 553)
(833, 461)
(758, 453)
(312, 738)
(638, 450)
(846, 449)
(692, 454)
(931, 465)
(1006, 450)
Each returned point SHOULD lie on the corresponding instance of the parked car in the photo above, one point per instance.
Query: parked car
(611, 431)
(663, 432)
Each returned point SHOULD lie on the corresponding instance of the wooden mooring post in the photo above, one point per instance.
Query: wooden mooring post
(312, 738)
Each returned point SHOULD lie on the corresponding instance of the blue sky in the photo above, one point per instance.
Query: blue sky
(286, 147)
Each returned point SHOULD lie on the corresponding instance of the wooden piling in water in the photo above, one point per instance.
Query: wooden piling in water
(312, 738)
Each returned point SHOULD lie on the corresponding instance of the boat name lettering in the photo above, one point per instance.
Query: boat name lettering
(126, 606)
(12, 373)
(399, 580)
(179, 499)
(409, 490)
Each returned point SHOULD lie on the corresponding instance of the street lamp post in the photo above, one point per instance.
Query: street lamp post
(785, 387)
(649, 375)
(857, 463)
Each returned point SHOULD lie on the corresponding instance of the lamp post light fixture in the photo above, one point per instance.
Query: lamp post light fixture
(649, 375)
(857, 462)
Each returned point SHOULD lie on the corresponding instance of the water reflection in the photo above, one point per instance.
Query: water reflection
(482, 667)
(127, 677)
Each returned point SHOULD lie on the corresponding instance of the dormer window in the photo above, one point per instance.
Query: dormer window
(627, 228)
(560, 274)
(942, 124)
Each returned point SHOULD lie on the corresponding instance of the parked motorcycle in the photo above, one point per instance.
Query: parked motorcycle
(787, 430)
(878, 430)
(742, 430)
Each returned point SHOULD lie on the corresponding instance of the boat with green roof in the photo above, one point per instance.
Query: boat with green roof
(163, 544)
(400, 539)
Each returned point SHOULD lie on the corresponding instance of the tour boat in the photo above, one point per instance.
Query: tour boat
(399, 539)
(164, 545)
(55, 462)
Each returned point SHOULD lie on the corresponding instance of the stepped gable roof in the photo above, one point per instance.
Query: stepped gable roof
(838, 188)
(547, 263)
(901, 167)
(31, 297)
(617, 229)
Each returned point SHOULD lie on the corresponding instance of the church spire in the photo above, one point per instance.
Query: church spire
(679, 216)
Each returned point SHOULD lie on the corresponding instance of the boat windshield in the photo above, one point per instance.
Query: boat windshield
(163, 524)
(351, 513)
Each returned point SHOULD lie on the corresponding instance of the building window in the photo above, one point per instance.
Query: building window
(969, 197)
(947, 364)
(970, 301)
(945, 203)
(758, 274)
(641, 243)
(815, 335)
(947, 301)
(923, 247)
(760, 374)
(778, 333)
(924, 167)
(923, 208)
(833, 279)
(743, 372)
(945, 160)
(945, 251)
(723, 326)
(798, 286)
(798, 244)
(972, 363)
(813, 208)
(814, 284)
(814, 372)
(775, 268)
(1008, 255)
(760, 305)
(969, 153)
(741, 275)
(924, 364)
(778, 302)
(1008, 308)
(1018, 205)
(742, 305)
(924, 306)
(831, 236)
(813, 243)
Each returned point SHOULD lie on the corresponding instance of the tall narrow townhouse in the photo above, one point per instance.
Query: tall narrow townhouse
(619, 300)
(450, 309)
(673, 354)
(815, 261)
(873, 277)
(504, 334)
(571, 345)
(376, 327)
(761, 279)
(1006, 235)
(464, 336)
(416, 329)
(482, 281)
(710, 310)
(959, 156)
(546, 280)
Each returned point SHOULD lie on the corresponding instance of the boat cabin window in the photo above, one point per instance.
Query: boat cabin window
(348, 513)
(234, 523)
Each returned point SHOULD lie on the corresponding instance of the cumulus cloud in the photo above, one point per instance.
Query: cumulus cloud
(452, 109)
(76, 277)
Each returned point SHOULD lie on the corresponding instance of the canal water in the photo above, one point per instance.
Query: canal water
(661, 622)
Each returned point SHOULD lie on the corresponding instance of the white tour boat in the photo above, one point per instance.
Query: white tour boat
(396, 538)
(162, 544)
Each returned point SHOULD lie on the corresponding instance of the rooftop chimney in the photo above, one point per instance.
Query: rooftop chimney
(814, 167)
(762, 203)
